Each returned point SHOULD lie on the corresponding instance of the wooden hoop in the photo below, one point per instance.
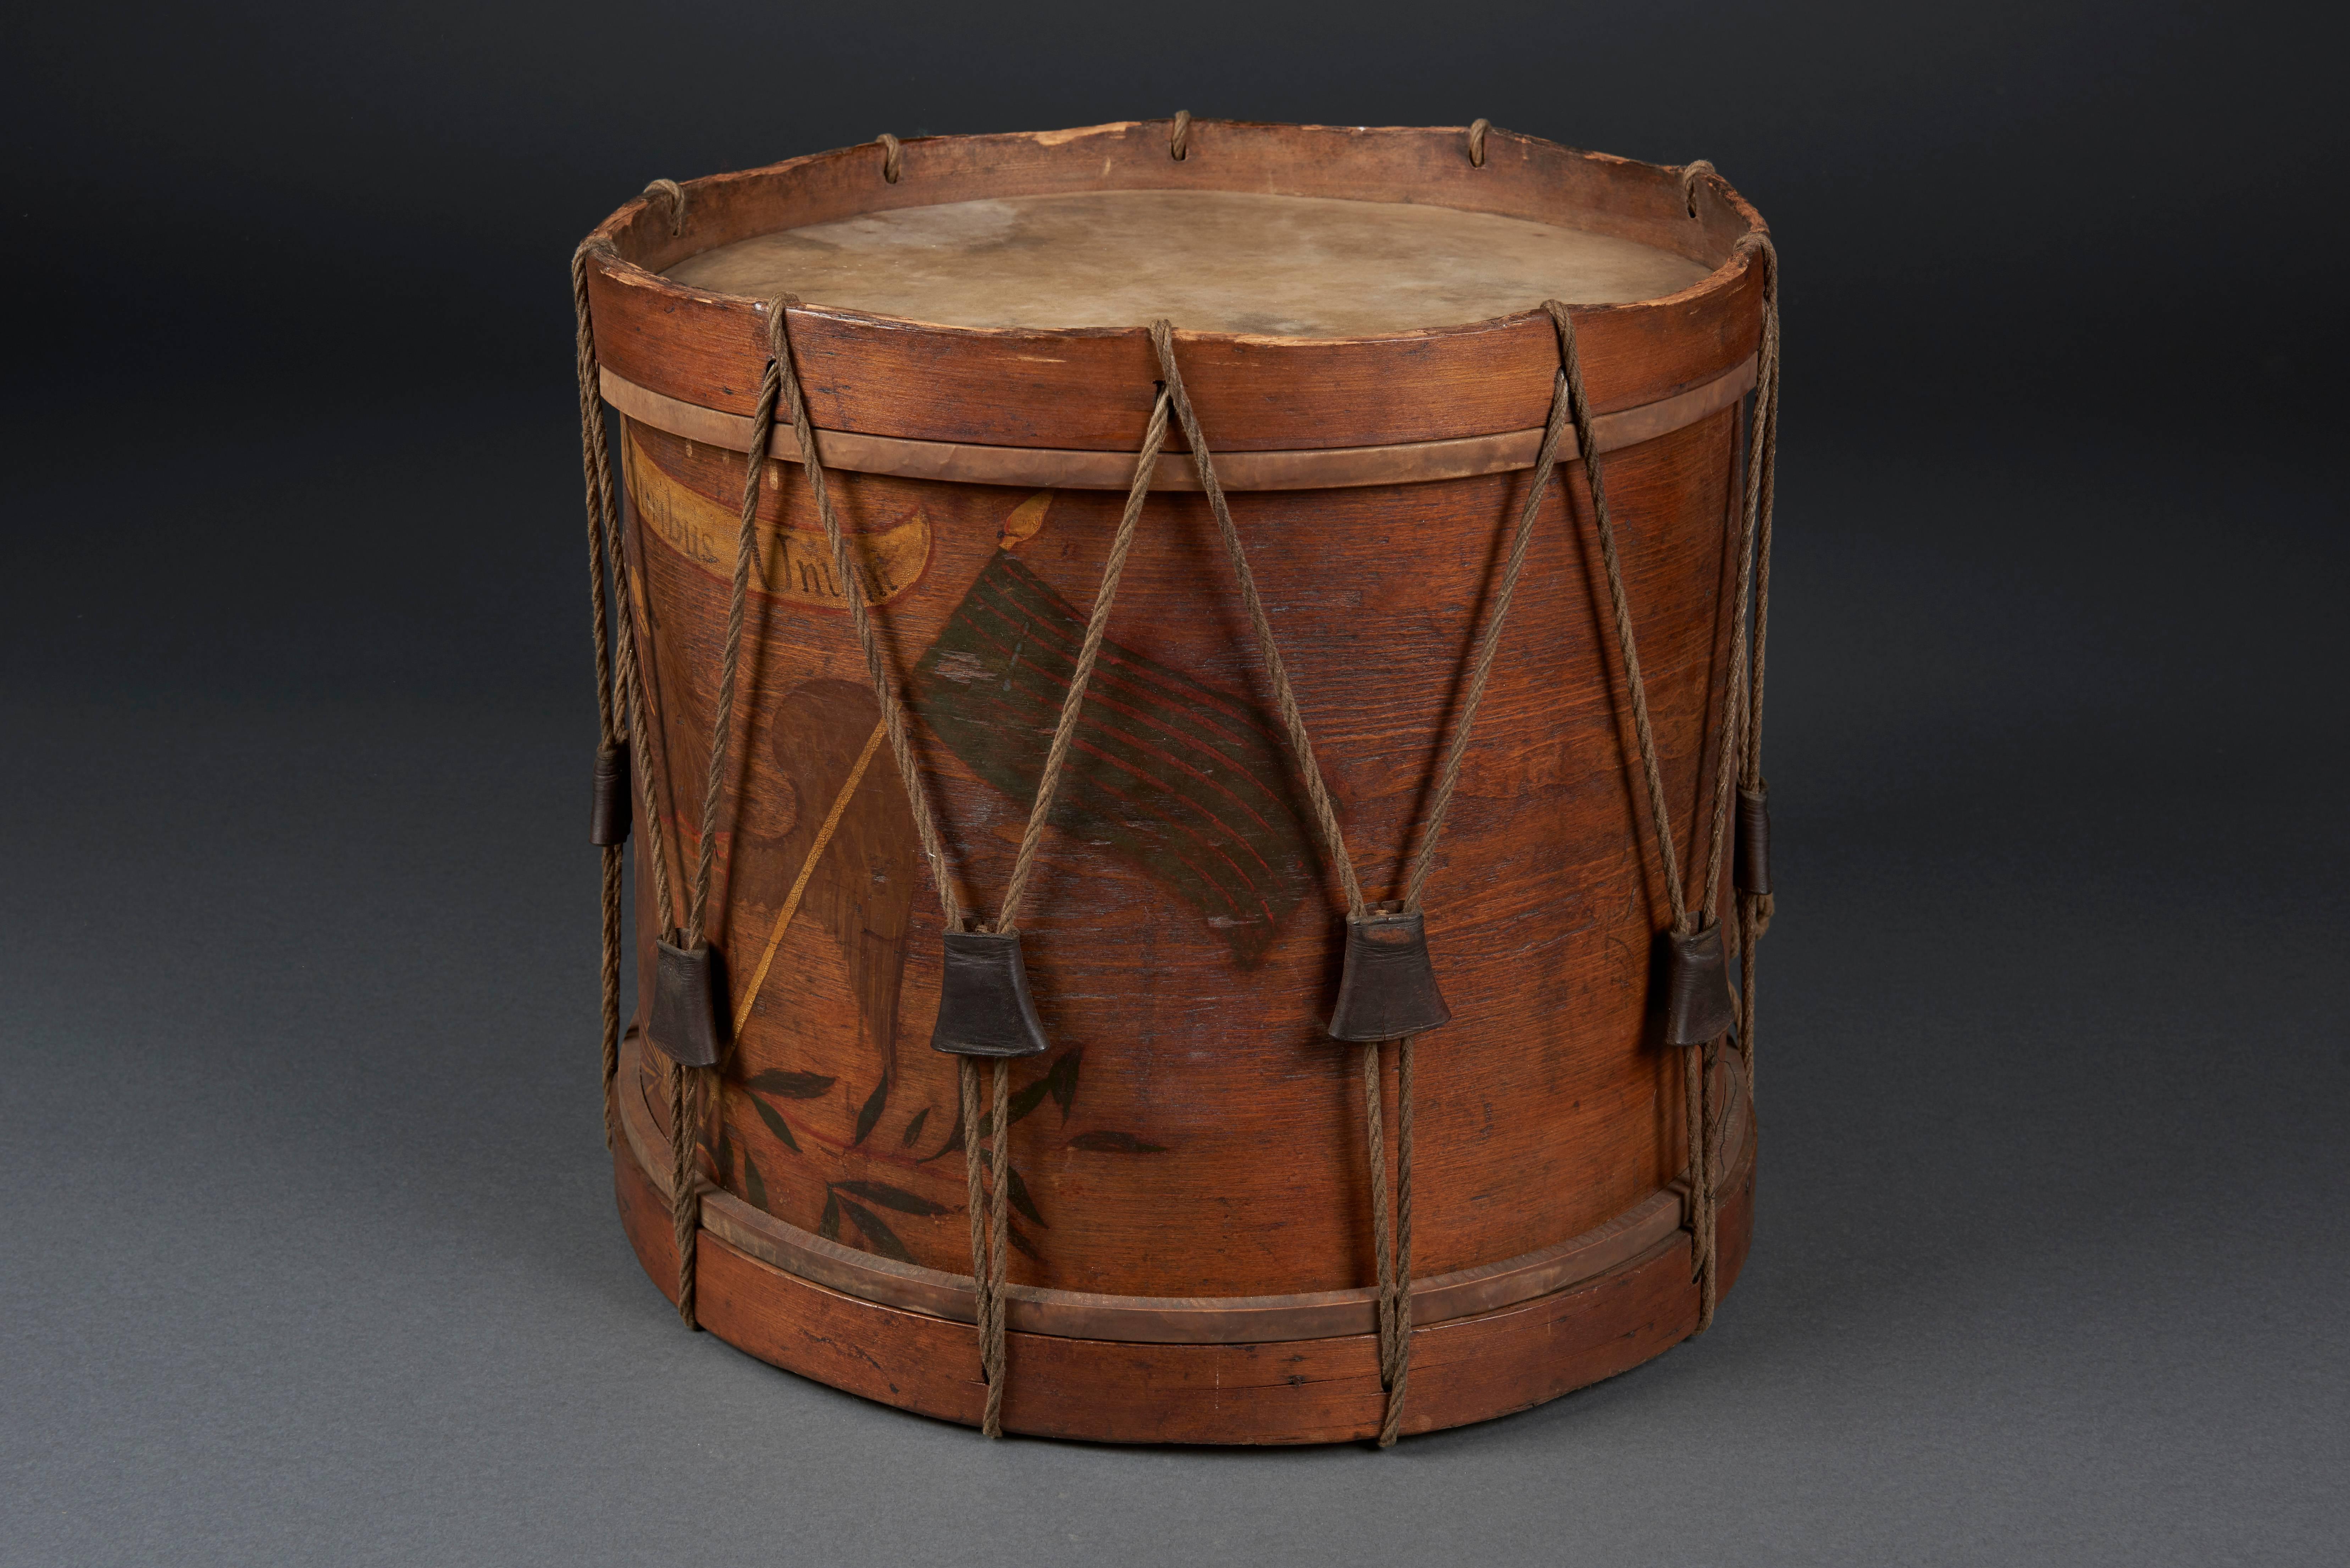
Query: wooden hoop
(1318, 468)
(1178, 1320)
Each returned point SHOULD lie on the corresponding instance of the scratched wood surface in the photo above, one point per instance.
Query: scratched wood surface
(1191, 1133)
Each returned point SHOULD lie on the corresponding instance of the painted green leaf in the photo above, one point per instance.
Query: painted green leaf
(872, 1111)
(1115, 1143)
(1023, 1242)
(889, 1197)
(791, 1085)
(1019, 1199)
(1064, 1079)
(753, 1186)
(829, 1226)
(775, 1124)
(914, 1128)
(883, 1240)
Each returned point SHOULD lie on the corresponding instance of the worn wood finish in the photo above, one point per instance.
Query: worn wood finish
(1174, 1320)
(1192, 1136)
(1320, 1390)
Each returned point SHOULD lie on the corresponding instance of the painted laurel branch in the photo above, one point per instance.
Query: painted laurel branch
(855, 1208)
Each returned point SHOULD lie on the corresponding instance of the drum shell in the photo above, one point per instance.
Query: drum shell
(1193, 1133)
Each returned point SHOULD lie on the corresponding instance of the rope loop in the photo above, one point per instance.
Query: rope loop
(1690, 172)
(1477, 130)
(1179, 140)
(793, 405)
(892, 156)
(619, 697)
(1757, 242)
(675, 192)
(1301, 745)
(1690, 916)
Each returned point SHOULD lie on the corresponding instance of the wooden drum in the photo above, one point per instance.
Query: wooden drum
(1216, 1221)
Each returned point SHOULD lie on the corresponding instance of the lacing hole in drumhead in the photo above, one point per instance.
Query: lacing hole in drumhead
(1477, 130)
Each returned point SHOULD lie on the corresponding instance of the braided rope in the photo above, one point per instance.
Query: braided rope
(1545, 461)
(989, 1234)
(674, 193)
(1754, 910)
(620, 716)
(988, 1259)
(1375, 1144)
(1072, 705)
(1691, 173)
(975, 1205)
(1391, 1240)
(1696, 1081)
(595, 474)
(860, 618)
(692, 1090)
(1317, 790)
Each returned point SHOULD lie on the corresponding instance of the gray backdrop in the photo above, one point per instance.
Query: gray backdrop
(311, 1255)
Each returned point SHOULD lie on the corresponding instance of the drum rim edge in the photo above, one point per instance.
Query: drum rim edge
(1070, 386)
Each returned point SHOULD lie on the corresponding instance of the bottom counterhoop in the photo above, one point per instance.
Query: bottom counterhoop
(1279, 1387)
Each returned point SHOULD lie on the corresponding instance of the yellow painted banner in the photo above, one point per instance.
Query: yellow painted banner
(794, 564)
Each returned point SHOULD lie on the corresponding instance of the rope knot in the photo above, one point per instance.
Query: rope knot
(1690, 173)
(675, 193)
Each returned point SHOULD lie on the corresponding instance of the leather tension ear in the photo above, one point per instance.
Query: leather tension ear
(984, 1007)
(1388, 988)
(684, 1022)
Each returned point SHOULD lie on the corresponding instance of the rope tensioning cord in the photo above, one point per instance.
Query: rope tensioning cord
(990, 1237)
(621, 760)
(1391, 1240)
(1750, 868)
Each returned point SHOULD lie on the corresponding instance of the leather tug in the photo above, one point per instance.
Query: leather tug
(607, 816)
(1749, 870)
(1698, 1007)
(984, 1006)
(684, 1022)
(1386, 989)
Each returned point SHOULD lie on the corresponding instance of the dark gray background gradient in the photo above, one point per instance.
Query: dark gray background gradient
(307, 1245)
